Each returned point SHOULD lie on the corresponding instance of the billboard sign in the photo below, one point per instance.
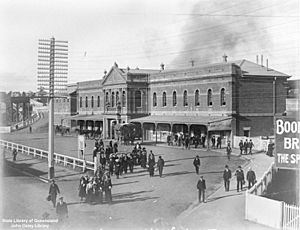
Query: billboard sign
(287, 143)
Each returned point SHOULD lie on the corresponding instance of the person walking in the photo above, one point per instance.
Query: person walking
(227, 177)
(201, 186)
(196, 163)
(251, 145)
(61, 210)
(228, 150)
(213, 142)
(151, 164)
(107, 185)
(241, 145)
(82, 188)
(239, 178)
(53, 191)
(160, 165)
(251, 178)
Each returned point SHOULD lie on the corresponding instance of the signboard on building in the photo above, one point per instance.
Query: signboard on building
(287, 143)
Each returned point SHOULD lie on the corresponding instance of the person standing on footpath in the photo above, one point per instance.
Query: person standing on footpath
(15, 153)
(251, 145)
(241, 145)
(196, 163)
(160, 165)
(227, 177)
(251, 178)
(61, 210)
(53, 191)
(219, 142)
(228, 150)
(201, 186)
(239, 178)
(246, 145)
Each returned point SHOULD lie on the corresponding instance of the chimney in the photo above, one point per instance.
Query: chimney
(224, 58)
(105, 72)
(162, 66)
(261, 60)
(267, 63)
(257, 59)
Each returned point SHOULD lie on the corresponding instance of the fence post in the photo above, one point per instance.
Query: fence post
(65, 161)
(84, 165)
(74, 163)
(95, 165)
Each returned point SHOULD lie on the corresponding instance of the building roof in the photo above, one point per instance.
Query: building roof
(252, 69)
(138, 71)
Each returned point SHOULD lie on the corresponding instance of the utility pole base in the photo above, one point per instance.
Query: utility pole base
(51, 173)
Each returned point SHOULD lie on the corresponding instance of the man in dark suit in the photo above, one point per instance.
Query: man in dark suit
(196, 163)
(53, 191)
(201, 186)
(226, 177)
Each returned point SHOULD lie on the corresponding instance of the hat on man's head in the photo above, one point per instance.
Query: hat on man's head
(240, 167)
(226, 166)
(61, 198)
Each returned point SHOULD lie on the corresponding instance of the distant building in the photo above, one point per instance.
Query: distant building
(229, 98)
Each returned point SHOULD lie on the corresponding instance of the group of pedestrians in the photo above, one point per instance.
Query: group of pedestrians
(245, 146)
(186, 141)
(91, 189)
(240, 178)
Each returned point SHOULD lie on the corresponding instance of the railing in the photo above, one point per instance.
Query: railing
(291, 217)
(283, 216)
(58, 158)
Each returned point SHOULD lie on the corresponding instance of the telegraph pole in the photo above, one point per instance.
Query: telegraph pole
(52, 73)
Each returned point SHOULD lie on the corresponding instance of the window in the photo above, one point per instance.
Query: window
(222, 97)
(138, 99)
(197, 101)
(113, 99)
(117, 97)
(92, 102)
(174, 98)
(185, 102)
(164, 99)
(123, 98)
(80, 102)
(154, 100)
(209, 97)
(86, 102)
(106, 98)
(98, 101)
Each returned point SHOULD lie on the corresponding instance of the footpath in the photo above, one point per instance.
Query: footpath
(226, 210)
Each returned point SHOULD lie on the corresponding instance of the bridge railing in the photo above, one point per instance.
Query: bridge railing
(58, 158)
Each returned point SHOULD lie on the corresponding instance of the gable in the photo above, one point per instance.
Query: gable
(114, 77)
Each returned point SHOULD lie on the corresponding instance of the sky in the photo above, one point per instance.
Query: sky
(144, 34)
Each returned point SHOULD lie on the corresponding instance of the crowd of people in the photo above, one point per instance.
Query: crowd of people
(186, 141)
(245, 146)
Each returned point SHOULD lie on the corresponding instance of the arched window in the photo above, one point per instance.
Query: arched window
(113, 99)
(222, 97)
(123, 98)
(92, 102)
(138, 98)
(154, 100)
(164, 99)
(197, 101)
(209, 97)
(80, 102)
(106, 98)
(117, 97)
(86, 102)
(174, 98)
(185, 101)
(98, 101)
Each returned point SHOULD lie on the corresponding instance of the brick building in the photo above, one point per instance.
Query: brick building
(228, 98)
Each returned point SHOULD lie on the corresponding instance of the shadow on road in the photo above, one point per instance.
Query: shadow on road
(177, 173)
(225, 196)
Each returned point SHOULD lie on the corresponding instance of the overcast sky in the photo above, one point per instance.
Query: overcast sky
(145, 33)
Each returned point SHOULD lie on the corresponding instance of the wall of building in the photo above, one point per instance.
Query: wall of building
(89, 89)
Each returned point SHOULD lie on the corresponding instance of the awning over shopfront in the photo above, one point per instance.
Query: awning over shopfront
(220, 125)
(188, 120)
(96, 117)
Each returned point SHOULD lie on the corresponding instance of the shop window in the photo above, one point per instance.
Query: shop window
(154, 100)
